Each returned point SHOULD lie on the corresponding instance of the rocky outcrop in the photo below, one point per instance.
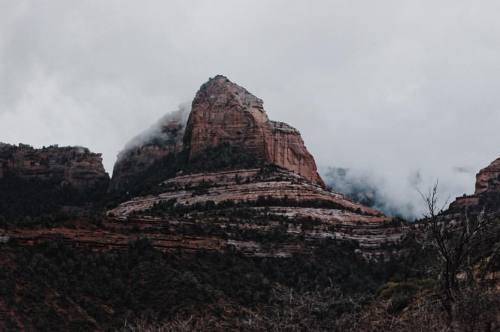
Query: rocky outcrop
(260, 212)
(487, 192)
(223, 112)
(244, 185)
(47, 183)
(272, 204)
(163, 139)
(74, 167)
(488, 179)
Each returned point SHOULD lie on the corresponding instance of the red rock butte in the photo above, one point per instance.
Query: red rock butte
(254, 198)
(226, 113)
(222, 113)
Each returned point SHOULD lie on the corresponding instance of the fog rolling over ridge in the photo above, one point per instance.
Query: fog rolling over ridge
(395, 194)
(157, 134)
(389, 89)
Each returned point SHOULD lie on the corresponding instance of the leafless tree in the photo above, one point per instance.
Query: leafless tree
(460, 242)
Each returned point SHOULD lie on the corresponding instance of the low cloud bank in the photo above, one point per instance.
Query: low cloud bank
(396, 193)
(158, 134)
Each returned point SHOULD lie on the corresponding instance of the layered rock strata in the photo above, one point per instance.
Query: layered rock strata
(275, 207)
(75, 167)
(260, 212)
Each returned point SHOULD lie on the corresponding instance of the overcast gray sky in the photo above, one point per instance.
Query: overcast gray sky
(405, 91)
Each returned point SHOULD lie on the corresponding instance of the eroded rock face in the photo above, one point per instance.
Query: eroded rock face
(488, 179)
(286, 149)
(273, 206)
(281, 196)
(163, 139)
(76, 167)
(259, 212)
(223, 112)
(487, 193)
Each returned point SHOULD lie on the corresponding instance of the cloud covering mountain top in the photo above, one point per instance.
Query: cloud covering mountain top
(390, 88)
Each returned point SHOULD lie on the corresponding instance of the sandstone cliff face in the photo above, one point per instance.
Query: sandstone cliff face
(143, 151)
(273, 204)
(76, 167)
(280, 196)
(286, 149)
(487, 193)
(223, 112)
(488, 179)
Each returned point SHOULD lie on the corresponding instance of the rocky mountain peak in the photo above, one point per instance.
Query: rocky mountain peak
(226, 113)
(219, 93)
(236, 172)
(222, 114)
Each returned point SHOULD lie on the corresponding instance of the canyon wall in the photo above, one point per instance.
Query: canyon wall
(76, 167)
